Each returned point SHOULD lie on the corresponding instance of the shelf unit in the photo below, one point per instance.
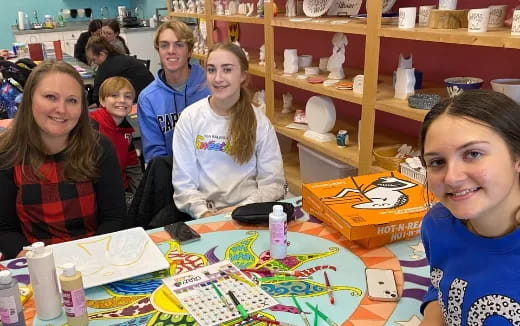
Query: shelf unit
(378, 91)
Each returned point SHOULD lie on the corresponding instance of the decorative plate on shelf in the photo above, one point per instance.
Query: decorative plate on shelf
(387, 5)
(316, 8)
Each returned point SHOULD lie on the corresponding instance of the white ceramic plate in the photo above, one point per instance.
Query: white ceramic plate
(111, 257)
(387, 5)
(320, 113)
(316, 8)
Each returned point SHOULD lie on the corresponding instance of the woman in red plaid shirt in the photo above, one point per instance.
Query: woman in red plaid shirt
(59, 179)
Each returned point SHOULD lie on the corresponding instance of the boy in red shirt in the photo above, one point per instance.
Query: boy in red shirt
(116, 96)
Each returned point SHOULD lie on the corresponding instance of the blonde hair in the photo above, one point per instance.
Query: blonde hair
(242, 125)
(22, 143)
(181, 30)
(114, 84)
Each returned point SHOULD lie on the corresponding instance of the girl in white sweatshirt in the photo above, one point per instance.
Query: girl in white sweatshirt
(225, 153)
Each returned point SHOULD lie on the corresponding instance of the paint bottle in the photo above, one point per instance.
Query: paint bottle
(278, 232)
(73, 295)
(11, 311)
(42, 271)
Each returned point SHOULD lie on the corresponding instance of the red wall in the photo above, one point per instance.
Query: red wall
(437, 61)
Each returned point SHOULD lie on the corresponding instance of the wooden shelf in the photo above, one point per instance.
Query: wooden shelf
(497, 37)
(346, 95)
(186, 15)
(256, 69)
(239, 19)
(322, 24)
(291, 166)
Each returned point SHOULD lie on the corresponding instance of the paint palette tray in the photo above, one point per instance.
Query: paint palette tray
(197, 292)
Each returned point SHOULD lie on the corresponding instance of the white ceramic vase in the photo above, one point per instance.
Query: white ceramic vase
(404, 83)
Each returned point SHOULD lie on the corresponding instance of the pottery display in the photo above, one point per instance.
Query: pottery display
(456, 85)
(507, 86)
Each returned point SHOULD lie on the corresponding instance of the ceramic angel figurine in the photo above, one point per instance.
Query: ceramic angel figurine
(336, 60)
(287, 103)
(290, 8)
(262, 55)
(260, 8)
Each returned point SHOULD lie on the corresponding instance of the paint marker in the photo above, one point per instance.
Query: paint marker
(329, 289)
(300, 311)
(322, 315)
(240, 308)
(221, 296)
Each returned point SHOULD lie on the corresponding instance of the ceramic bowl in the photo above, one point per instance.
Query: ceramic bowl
(457, 85)
(508, 86)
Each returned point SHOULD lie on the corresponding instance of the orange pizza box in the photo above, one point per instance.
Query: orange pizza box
(382, 206)
(379, 241)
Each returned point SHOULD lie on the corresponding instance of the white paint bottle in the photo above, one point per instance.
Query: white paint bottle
(278, 232)
(42, 271)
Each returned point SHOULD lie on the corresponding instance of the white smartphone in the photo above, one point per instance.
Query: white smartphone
(381, 284)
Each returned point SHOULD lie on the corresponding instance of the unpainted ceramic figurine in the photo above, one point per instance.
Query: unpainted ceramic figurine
(336, 60)
(290, 8)
(232, 7)
(287, 103)
(260, 8)
(191, 6)
(290, 61)
(250, 9)
(219, 8)
(259, 100)
(176, 6)
(262, 55)
(183, 6)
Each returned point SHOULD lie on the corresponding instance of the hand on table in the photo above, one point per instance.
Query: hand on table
(218, 212)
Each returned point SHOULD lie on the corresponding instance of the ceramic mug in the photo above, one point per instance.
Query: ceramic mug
(424, 15)
(497, 15)
(407, 17)
(447, 4)
(81, 12)
(515, 27)
(478, 20)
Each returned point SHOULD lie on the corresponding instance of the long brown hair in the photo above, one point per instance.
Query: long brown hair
(242, 125)
(22, 144)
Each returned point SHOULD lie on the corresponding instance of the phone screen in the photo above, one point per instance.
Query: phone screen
(182, 232)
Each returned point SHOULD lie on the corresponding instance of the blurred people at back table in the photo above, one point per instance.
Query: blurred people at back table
(177, 85)
(111, 63)
(94, 29)
(110, 31)
(225, 152)
(116, 96)
(60, 179)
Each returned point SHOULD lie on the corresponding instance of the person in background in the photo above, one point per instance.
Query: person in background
(112, 63)
(110, 31)
(94, 29)
(116, 96)
(60, 179)
(471, 149)
(177, 85)
(226, 153)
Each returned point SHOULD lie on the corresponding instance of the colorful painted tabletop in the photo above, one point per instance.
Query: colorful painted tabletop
(314, 248)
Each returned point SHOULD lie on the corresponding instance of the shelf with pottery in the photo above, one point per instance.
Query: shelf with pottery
(321, 24)
(496, 37)
(239, 19)
(186, 15)
(345, 95)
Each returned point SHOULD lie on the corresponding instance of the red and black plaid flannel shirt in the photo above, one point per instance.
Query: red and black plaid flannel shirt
(54, 210)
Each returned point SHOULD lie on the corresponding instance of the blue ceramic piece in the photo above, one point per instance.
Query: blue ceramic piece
(456, 85)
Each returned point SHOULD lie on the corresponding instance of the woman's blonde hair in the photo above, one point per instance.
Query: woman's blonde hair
(242, 126)
(114, 84)
(22, 143)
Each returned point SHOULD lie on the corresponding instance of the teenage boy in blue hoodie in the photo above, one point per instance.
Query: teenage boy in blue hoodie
(177, 85)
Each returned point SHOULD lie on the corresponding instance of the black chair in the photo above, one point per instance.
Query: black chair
(146, 63)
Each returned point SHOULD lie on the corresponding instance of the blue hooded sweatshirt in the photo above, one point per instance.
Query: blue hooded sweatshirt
(159, 107)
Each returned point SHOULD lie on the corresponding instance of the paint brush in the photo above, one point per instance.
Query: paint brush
(329, 289)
